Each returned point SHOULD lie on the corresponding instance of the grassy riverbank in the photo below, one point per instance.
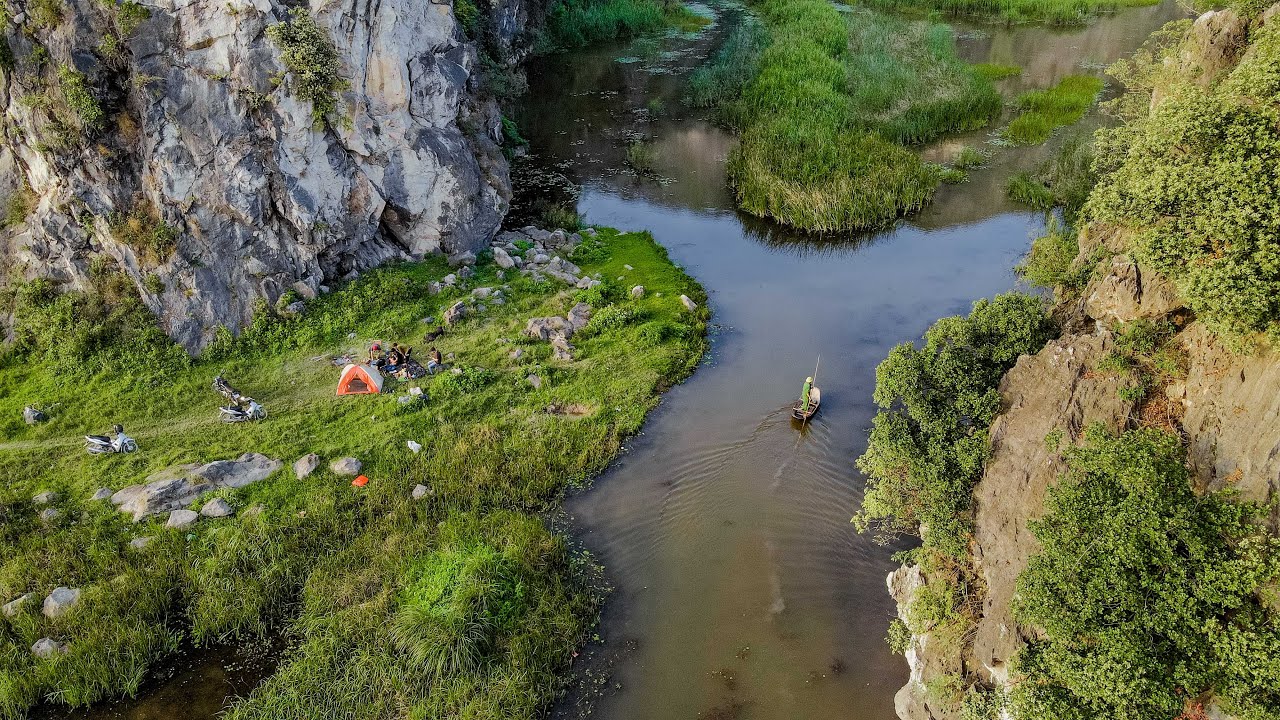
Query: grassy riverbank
(577, 23)
(834, 100)
(1054, 12)
(462, 604)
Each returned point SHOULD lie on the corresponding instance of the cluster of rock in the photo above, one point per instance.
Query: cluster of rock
(542, 258)
(173, 489)
(557, 330)
(57, 603)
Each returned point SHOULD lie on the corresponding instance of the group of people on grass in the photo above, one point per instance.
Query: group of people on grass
(399, 360)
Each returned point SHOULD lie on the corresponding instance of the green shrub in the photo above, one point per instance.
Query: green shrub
(143, 230)
(952, 176)
(1050, 262)
(1194, 180)
(79, 98)
(468, 15)
(20, 205)
(469, 380)
(129, 15)
(1043, 111)
(899, 637)
(642, 157)
(929, 441)
(309, 54)
(46, 13)
(561, 216)
(1144, 591)
(608, 319)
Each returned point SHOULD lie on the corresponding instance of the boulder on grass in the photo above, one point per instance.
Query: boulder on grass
(305, 465)
(47, 648)
(13, 607)
(346, 466)
(217, 508)
(60, 601)
(182, 519)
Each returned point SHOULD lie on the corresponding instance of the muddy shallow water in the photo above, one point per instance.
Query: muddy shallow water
(742, 590)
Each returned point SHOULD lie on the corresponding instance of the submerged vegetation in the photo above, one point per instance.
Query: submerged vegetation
(824, 121)
(459, 604)
(1043, 111)
(578, 23)
(1055, 12)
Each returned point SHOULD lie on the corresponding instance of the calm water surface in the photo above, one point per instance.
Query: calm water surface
(742, 589)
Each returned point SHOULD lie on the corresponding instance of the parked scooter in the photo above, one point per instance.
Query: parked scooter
(117, 442)
(242, 408)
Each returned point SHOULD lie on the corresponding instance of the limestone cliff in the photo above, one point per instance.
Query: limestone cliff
(1226, 407)
(180, 115)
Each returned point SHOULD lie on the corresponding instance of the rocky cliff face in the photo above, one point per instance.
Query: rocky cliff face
(1227, 409)
(202, 129)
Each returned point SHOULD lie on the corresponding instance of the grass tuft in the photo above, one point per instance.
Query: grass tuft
(1044, 111)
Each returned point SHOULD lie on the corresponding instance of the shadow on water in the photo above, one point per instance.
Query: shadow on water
(742, 590)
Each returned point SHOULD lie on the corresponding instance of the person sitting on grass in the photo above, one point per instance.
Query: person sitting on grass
(376, 358)
(434, 362)
(395, 358)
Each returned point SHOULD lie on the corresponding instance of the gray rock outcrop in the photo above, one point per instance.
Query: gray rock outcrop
(260, 195)
(181, 485)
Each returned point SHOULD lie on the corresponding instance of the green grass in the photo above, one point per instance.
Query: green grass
(349, 573)
(722, 80)
(1053, 12)
(997, 71)
(577, 23)
(1043, 111)
(825, 120)
(1065, 180)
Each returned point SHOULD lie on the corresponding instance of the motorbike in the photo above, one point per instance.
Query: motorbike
(117, 442)
(242, 408)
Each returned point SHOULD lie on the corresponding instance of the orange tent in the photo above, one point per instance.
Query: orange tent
(359, 380)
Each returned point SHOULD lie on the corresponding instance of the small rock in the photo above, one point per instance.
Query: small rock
(466, 273)
(628, 267)
(590, 232)
(47, 648)
(60, 601)
(182, 518)
(462, 258)
(501, 274)
(351, 336)
(14, 607)
(579, 316)
(415, 391)
(48, 515)
(346, 466)
(688, 304)
(517, 354)
(216, 508)
(304, 290)
(535, 381)
(45, 498)
(587, 283)
(517, 261)
(637, 292)
(139, 543)
(415, 447)
(306, 465)
(498, 301)
(449, 279)
(455, 313)
(295, 308)
(561, 349)
(540, 258)
(482, 292)
(502, 259)
(481, 308)
(102, 494)
(33, 416)
(421, 491)
(433, 288)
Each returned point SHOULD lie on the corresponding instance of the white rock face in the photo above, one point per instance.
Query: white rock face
(263, 198)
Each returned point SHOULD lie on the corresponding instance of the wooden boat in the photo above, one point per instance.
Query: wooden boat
(815, 399)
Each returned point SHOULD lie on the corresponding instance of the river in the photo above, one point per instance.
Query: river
(742, 591)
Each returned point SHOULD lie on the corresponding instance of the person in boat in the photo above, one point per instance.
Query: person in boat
(434, 362)
(804, 394)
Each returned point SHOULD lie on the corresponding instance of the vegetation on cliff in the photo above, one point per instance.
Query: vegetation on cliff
(1194, 181)
(459, 604)
(824, 122)
(1147, 593)
(929, 440)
